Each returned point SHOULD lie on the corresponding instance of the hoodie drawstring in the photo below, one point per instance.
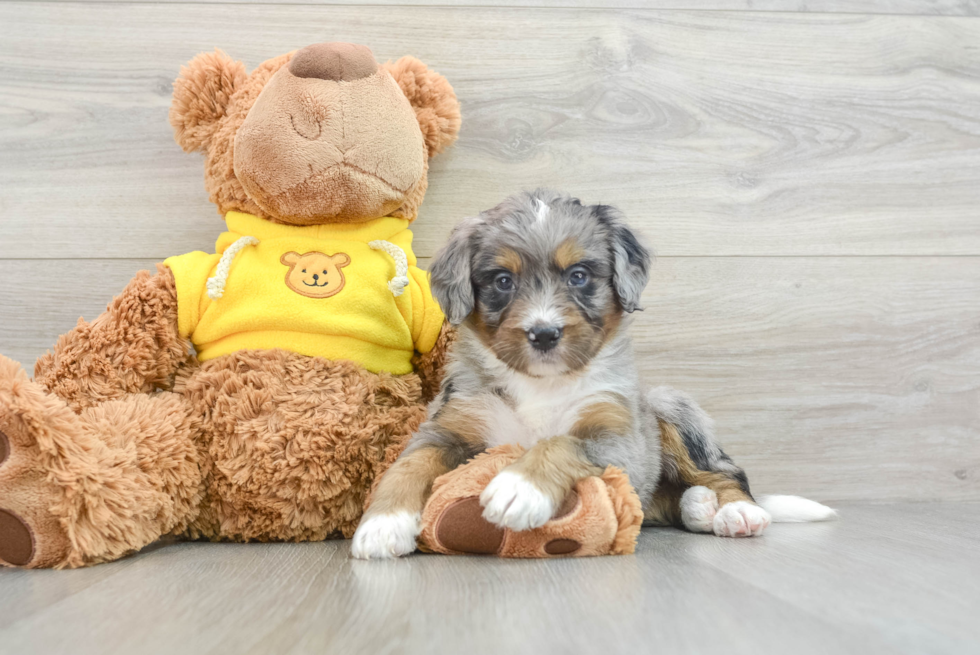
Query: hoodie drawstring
(398, 283)
(216, 284)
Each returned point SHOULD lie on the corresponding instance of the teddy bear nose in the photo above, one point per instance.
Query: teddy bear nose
(340, 62)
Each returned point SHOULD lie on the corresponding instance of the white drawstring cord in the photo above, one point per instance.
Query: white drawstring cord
(216, 284)
(398, 283)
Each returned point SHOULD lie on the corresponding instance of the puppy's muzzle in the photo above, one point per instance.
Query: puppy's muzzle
(544, 338)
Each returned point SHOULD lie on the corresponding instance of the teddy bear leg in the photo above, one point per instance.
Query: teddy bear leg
(77, 489)
(601, 515)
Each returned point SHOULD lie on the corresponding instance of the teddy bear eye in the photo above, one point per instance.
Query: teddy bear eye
(324, 271)
(304, 270)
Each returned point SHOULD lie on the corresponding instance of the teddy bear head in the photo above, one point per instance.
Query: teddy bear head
(321, 135)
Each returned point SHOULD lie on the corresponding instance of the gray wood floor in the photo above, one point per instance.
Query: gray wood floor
(883, 579)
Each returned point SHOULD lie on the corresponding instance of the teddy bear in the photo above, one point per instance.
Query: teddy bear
(316, 341)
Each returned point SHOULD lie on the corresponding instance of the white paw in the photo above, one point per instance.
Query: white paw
(510, 501)
(698, 508)
(386, 535)
(741, 519)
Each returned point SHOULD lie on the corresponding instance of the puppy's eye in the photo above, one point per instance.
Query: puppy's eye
(579, 277)
(504, 282)
(304, 270)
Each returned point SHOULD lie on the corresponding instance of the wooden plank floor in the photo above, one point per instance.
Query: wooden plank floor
(883, 579)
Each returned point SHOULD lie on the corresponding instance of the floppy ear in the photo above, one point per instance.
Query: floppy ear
(450, 272)
(433, 99)
(289, 258)
(631, 260)
(201, 96)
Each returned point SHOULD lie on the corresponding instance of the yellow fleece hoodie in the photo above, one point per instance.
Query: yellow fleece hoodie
(320, 290)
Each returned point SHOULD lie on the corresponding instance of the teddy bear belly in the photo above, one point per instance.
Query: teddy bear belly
(292, 443)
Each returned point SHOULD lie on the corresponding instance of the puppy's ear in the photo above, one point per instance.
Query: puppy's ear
(201, 96)
(631, 260)
(432, 98)
(451, 269)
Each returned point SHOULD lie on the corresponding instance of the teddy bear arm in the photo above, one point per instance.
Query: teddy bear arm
(132, 347)
(430, 366)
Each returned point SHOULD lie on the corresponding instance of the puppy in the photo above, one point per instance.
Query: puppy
(541, 287)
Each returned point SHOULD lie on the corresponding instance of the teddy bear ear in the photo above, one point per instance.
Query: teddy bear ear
(433, 99)
(201, 96)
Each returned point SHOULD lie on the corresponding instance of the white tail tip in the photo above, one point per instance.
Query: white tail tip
(794, 509)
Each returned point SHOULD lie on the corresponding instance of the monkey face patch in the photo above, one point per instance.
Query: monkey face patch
(314, 274)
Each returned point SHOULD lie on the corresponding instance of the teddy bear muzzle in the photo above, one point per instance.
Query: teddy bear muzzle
(338, 62)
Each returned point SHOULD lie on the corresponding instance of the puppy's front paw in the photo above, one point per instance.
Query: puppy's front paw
(741, 519)
(511, 501)
(386, 535)
(699, 505)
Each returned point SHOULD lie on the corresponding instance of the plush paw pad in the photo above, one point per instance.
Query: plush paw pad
(511, 501)
(699, 505)
(741, 519)
(386, 535)
(4, 447)
(16, 540)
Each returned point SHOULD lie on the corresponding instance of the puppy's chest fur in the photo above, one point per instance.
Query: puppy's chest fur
(528, 409)
(537, 409)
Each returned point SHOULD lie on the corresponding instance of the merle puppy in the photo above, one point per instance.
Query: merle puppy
(541, 287)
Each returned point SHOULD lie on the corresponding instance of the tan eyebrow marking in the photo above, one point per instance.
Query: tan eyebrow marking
(509, 259)
(568, 253)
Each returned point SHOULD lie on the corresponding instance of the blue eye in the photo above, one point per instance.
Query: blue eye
(578, 278)
(504, 282)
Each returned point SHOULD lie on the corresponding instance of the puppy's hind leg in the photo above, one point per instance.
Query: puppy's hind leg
(711, 493)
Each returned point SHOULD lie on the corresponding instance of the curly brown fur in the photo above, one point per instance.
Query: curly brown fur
(133, 347)
(292, 443)
(119, 474)
(431, 366)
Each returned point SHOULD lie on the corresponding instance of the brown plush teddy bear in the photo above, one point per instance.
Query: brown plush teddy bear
(317, 340)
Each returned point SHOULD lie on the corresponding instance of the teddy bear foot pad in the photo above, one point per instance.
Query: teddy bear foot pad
(461, 528)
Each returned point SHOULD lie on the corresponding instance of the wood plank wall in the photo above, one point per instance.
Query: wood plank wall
(809, 179)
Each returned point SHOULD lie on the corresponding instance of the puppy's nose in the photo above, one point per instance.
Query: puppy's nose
(340, 62)
(315, 277)
(544, 338)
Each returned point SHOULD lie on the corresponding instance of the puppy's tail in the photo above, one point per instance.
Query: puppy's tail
(794, 509)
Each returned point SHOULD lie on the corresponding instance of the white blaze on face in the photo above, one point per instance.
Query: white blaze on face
(543, 312)
(543, 209)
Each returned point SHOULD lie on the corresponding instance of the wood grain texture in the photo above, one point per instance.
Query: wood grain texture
(912, 7)
(883, 579)
(720, 133)
(836, 378)
(809, 180)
